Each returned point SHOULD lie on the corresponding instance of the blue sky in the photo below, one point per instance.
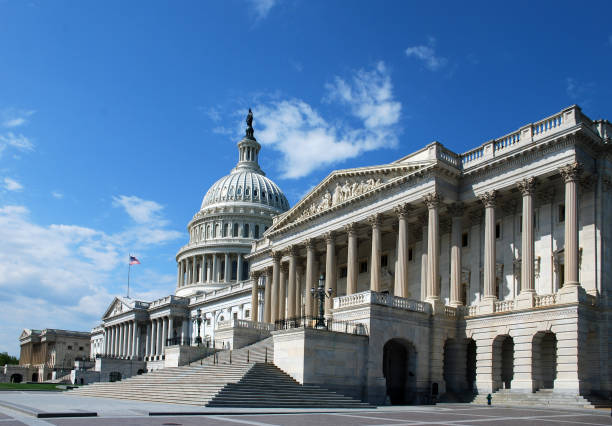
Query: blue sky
(116, 117)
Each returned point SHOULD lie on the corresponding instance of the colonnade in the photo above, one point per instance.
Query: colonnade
(123, 340)
(286, 271)
(209, 268)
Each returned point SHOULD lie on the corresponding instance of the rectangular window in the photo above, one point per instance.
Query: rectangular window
(69, 347)
(363, 267)
(498, 231)
(410, 254)
(384, 261)
(235, 316)
(80, 348)
(343, 272)
(464, 239)
(247, 313)
(561, 213)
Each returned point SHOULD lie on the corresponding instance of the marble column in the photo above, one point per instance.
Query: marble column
(170, 327)
(129, 340)
(121, 346)
(178, 274)
(456, 211)
(227, 271)
(255, 295)
(274, 313)
(571, 174)
(215, 267)
(105, 340)
(239, 267)
(526, 187)
(299, 286)
(194, 265)
(311, 275)
(268, 296)
(209, 269)
(432, 201)
(423, 222)
(351, 262)
(148, 341)
(291, 290)
(401, 277)
(330, 271)
(184, 331)
(488, 199)
(160, 338)
(282, 292)
(375, 222)
(136, 352)
(153, 347)
(164, 334)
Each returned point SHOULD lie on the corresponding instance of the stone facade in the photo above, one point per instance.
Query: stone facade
(471, 272)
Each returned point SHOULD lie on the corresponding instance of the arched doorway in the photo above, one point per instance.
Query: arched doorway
(399, 369)
(470, 364)
(503, 362)
(35, 377)
(544, 360)
(16, 378)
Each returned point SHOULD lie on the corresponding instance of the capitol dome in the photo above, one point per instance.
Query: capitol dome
(245, 186)
(237, 209)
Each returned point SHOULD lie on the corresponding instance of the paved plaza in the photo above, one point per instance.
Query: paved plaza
(22, 408)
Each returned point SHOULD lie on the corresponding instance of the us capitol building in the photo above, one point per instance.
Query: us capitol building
(439, 273)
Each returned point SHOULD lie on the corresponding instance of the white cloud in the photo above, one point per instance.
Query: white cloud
(307, 141)
(12, 117)
(57, 194)
(427, 54)
(63, 275)
(262, 7)
(19, 142)
(12, 184)
(141, 211)
(578, 91)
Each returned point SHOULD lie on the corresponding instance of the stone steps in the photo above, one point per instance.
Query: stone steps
(543, 398)
(251, 354)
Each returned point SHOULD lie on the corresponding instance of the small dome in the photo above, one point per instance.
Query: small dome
(245, 186)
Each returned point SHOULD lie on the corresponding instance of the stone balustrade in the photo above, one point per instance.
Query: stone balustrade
(167, 300)
(230, 289)
(376, 298)
(504, 305)
(242, 323)
(451, 312)
(544, 300)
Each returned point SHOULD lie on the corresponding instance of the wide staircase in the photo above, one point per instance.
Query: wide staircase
(262, 351)
(543, 398)
(214, 382)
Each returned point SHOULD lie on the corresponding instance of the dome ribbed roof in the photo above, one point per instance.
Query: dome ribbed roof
(246, 183)
(246, 186)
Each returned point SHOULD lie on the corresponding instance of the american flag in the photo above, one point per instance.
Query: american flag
(134, 261)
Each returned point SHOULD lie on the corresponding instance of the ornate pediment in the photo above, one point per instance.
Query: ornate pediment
(343, 187)
(117, 307)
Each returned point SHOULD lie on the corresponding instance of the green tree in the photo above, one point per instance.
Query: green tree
(5, 358)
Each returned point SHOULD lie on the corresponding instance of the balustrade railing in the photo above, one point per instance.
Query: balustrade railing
(329, 324)
(504, 305)
(376, 298)
(544, 300)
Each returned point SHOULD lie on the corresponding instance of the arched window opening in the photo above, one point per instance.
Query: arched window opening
(217, 230)
(255, 192)
(235, 230)
(256, 234)
(247, 191)
(226, 230)
(246, 230)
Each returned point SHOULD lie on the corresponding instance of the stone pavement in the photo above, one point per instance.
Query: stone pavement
(21, 408)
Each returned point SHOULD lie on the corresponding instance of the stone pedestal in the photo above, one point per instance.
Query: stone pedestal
(571, 294)
(524, 300)
(487, 306)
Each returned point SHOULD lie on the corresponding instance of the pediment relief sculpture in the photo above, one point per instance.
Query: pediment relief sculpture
(339, 193)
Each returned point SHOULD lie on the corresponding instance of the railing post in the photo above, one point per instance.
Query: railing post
(248, 358)
(266, 361)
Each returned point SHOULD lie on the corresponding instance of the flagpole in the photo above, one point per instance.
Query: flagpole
(129, 269)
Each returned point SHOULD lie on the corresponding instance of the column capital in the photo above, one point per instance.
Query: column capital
(291, 251)
(456, 209)
(309, 243)
(526, 186)
(255, 274)
(375, 220)
(488, 198)
(571, 172)
(276, 256)
(350, 228)
(330, 237)
(402, 210)
(432, 200)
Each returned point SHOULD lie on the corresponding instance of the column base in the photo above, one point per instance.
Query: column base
(571, 293)
(437, 306)
(487, 305)
(455, 304)
(524, 300)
